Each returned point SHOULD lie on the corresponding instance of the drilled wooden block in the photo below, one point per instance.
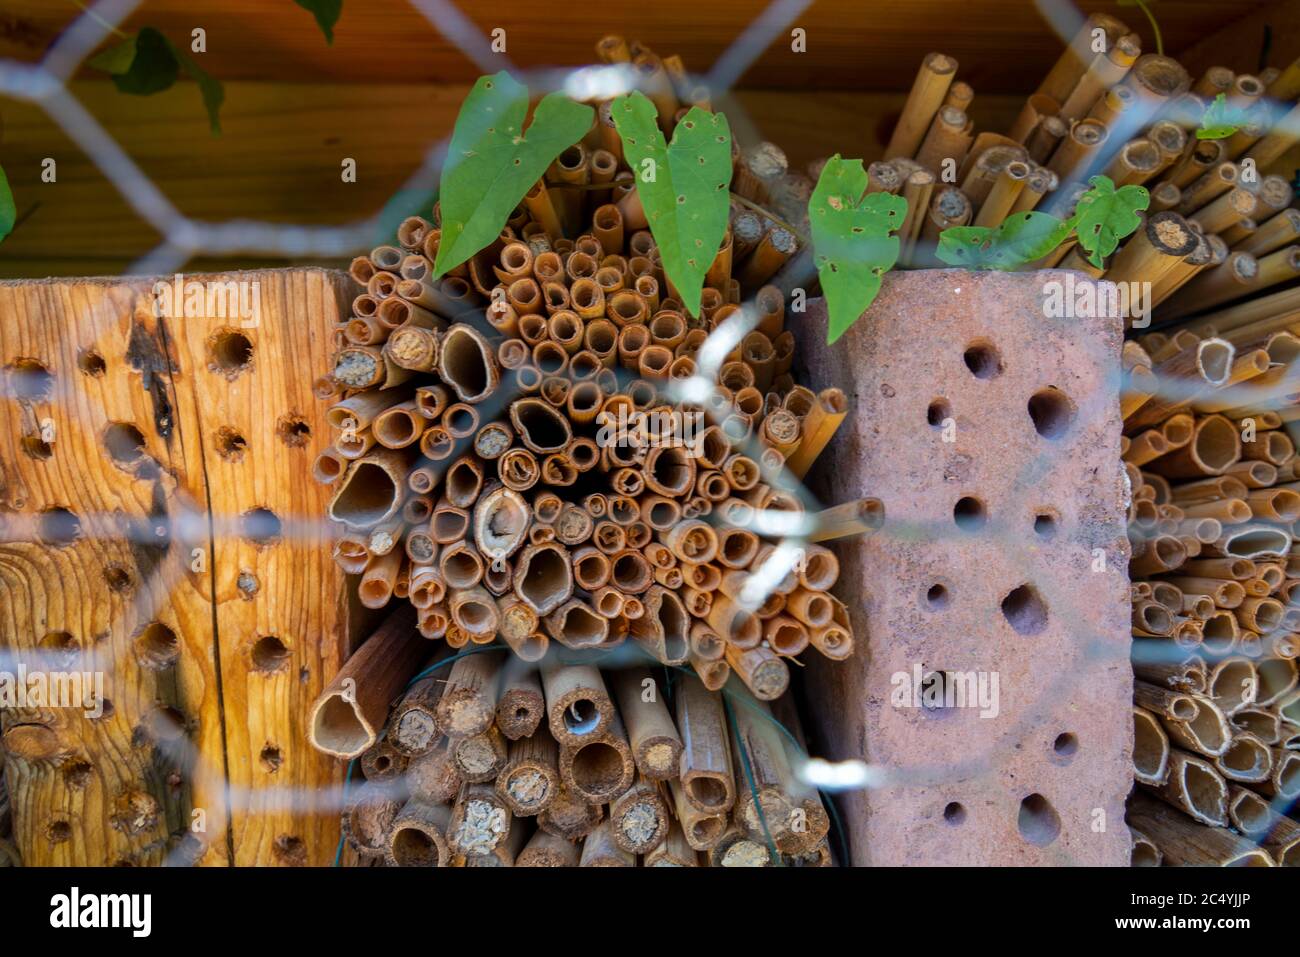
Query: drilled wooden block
(991, 433)
(199, 581)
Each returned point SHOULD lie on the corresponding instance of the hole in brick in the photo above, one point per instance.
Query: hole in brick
(1045, 524)
(157, 646)
(230, 444)
(230, 352)
(1038, 821)
(1066, 745)
(934, 694)
(939, 410)
(260, 526)
(269, 654)
(293, 430)
(954, 813)
(91, 363)
(936, 597)
(30, 381)
(1025, 610)
(124, 442)
(117, 578)
(59, 648)
(969, 513)
(58, 526)
(271, 758)
(1052, 412)
(982, 359)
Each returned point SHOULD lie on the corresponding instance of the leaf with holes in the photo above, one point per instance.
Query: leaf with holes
(1104, 215)
(492, 163)
(8, 212)
(852, 241)
(684, 187)
(326, 13)
(1220, 120)
(1021, 238)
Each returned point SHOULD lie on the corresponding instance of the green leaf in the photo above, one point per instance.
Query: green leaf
(851, 239)
(211, 89)
(326, 13)
(492, 163)
(8, 212)
(153, 68)
(149, 63)
(1104, 216)
(116, 59)
(684, 187)
(1021, 238)
(1220, 120)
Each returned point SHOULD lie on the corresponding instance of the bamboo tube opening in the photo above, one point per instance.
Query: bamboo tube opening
(461, 567)
(1255, 542)
(1208, 730)
(598, 771)
(1245, 759)
(467, 363)
(541, 428)
(368, 496)
(1150, 748)
(543, 577)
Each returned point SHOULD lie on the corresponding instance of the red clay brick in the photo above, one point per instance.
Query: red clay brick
(1071, 675)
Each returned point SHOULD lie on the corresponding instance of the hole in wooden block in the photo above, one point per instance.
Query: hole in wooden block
(230, 444)
(124, 443)
(939, 410)
(271, 758)
(30, 381)
(230, 353)
(37, 447)
(293, 430)
(260, 526)
(954, 813)
(1025, 610)
(157, 647)
(77, 773)
(969, 513)
(248, 585)
(91, 363)
(1052, 412)
(117, 578)
(289, 851)
(1038, 821)
(269, 654)
(982, 359)
(58, 526)
(57, 832)
(163, 724)
(59, 649)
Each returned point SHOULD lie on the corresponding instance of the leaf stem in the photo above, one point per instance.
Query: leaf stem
(98, 19)
(1155, 27)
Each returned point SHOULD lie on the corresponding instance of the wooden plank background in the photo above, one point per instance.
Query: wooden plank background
(205, 716)
(852, 44)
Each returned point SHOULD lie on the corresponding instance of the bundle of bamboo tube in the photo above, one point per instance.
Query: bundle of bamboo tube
(532, 451)
(489, 761)
(1132, 117)
(1214, 518)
